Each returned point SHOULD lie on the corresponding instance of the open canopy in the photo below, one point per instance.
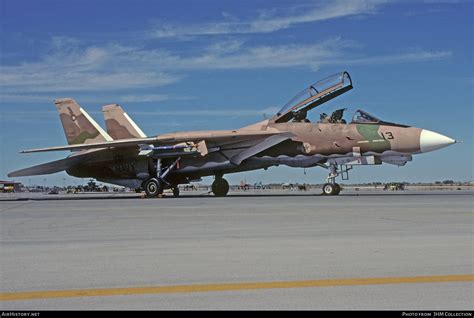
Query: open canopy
(315, 95)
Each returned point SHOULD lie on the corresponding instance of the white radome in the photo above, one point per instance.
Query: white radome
(430, 140)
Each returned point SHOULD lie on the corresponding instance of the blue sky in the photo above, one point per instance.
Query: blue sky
(198, 65)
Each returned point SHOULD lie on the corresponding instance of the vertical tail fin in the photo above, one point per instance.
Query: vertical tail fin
(78, 126)
(119, 125)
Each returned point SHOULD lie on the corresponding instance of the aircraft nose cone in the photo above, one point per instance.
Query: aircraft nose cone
(429, 141)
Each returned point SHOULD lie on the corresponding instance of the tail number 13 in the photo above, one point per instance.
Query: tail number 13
(387, 135)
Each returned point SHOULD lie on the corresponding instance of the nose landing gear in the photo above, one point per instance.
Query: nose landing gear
(331, 187)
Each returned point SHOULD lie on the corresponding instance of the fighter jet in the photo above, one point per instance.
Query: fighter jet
(125, 156)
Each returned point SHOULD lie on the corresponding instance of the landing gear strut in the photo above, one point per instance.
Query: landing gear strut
(220, 187)
(155, 186)
(331, 187)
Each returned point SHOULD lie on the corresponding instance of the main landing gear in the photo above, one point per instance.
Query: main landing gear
(220, 187)
(176, 191)
(155, 186)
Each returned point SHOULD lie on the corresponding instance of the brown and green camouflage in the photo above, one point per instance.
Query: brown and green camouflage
(119, 125)
(288, 138)
(78, 126)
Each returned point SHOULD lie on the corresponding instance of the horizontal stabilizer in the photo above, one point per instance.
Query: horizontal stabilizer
(49, 167)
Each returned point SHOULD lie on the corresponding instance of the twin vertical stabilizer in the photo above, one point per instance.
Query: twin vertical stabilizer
(78, 126)
(119, 125)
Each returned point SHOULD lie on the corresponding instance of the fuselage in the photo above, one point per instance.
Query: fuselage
(311, 144)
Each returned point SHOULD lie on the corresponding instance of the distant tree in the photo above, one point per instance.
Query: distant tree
(448, 182)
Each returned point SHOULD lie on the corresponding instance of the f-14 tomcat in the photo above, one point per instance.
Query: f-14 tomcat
(127, 157)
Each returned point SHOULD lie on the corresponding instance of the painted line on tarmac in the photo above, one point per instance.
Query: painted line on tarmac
(45, 294)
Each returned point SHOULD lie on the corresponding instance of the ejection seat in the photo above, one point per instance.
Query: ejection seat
(335, 118)
(301, 116)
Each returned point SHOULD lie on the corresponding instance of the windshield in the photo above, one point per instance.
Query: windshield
(361, 116)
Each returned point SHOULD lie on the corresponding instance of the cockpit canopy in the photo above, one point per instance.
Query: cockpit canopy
(313, 96)
(363, 117)
(317, 94)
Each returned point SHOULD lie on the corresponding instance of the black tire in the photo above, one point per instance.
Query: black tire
(337, 189)
(152, 188)
(176, 192)
(329, 189)
(220, 187)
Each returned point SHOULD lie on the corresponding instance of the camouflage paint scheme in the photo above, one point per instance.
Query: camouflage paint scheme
(118, 124)
(311, 145)
(131, 158)
(77, 127)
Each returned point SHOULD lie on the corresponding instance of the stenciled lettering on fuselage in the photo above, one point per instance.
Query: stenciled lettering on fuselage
(123, 168)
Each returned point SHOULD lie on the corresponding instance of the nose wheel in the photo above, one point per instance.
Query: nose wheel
(331, 189)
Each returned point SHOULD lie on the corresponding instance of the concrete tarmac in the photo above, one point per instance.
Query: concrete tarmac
(240, 252)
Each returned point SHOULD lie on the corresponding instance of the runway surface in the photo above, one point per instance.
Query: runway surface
(364, 251)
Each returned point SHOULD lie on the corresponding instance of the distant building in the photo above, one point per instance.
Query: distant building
(9, 186)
